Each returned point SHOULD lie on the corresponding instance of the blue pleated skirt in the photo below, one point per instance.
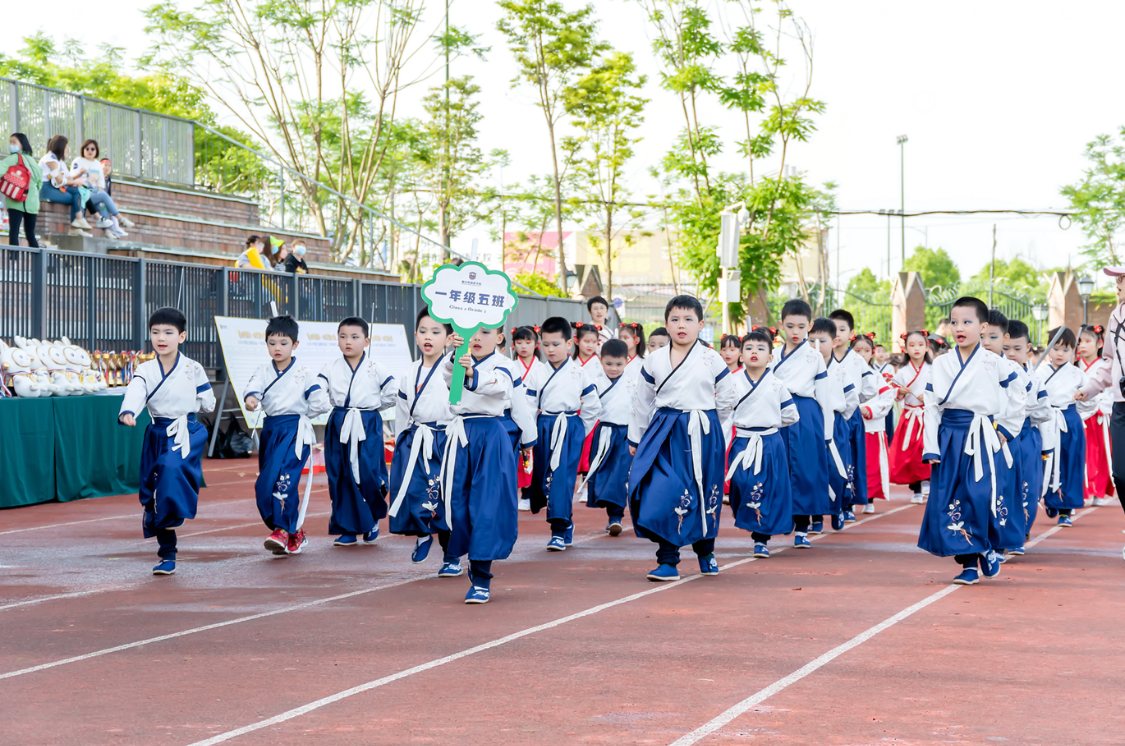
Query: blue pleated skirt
(279, 472)
(554, 488)
(169, 484)
(808, 459)
(1029, 447)
(1072, 491)
(482, 506)
(608, 486)
(762, 502)
(858, 469)
(356, 508)
(841, 485)
(957, 516)
(422, 512)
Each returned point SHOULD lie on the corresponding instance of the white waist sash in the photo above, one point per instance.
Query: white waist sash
(423, 444)
(752, 454)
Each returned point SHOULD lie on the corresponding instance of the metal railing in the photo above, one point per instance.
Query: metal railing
(103, 302)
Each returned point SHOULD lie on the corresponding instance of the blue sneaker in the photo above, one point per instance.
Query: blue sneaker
(990, 564)
(450, 570)
(371, 536)
(421, 549)
(816, 527)
(1064, 520)
(614, 528)
(849, 516)
(968, 576)
(166, 567)
(1018, 551)
(556, 544)
(347, 540)
(1003, 556)
(477, 595)
(760, 550)
(837, 522)
(801, 541)
(708, 565)
(568, 535)
(1051, 512)
(664, 573)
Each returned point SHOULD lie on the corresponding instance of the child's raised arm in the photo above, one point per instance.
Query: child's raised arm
(133, 402)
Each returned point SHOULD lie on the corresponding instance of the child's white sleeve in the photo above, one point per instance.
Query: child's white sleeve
(317, 397)
(789, 412)
(591, 402)
(1010, 420)
(851, 399)
(1039, 410)
(643, 400)
(388, 387)
(878, 406)
(724, 385)
(203, 391)
(530, 390)
(822, 391)
(136, 394)
(256, 385)
(402, 408)
(931, 423)
(871, 383)
(523, 415)
(446, 364)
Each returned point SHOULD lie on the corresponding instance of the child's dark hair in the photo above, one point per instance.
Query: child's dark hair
(638, 331)
(823, 326)
(1066, 339)
(796, 307)
(170, 316)
(25, 144)
(615, 348)
(526, 334)
(660, 332)
(354, 321)
(876, 345)
(929, 357)
(597, 299)
(425, 314)
(557, 325)
(758, 334)
(583, 329)
(842, 315)
(730, 340)
(995, 318)
(978, 305)
(251, 240)
(1018, 330)
(686, 303)
(1095, 332)
(284, 326)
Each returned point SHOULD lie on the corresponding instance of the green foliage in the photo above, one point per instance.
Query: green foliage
(935, 266)
(866, 285)
(1016, 272)
(1099, 198)
(537, 282)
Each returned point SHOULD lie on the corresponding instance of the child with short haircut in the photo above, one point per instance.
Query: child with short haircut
(290, 395)
(859, 375)
(676, 481)
(874, 414)
(730, 348)
(965, 397)
(1066, 443)
(478, 468)
(803, 371)
(565, 398)
(908, 443)
(633, 335)
(659, 338)
(421, 416)
(760, 494)
(525, 342)
(845, 400)
(173, 388)
(358, 388)
(1027, 448)
(599, 312)
(609, 450)
(1095, 417)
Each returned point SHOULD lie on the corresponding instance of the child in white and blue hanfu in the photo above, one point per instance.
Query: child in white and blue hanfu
(290, 395)
(173, 388)
(609, 451)
(802, 369)
(1027, 448)
(1065, 475)
(564, 395)
(964, 402)
(845, 401)
(867, 388)
(478, 470)
(421, 416)
(676, 480)
(358, 389)
(758, 470)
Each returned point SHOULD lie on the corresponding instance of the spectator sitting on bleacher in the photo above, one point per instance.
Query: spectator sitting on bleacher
(61, 187)
(28, 210)
(295, 262)
(90, 167)
(255, 251)
(107, 173)
(280, 257)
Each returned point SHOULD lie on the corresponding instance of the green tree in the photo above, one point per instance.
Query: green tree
(1016, 271)
(935, 266)
(537, 282)
(1099, 198)
(866, 285)
(553, 48)
(608, 109)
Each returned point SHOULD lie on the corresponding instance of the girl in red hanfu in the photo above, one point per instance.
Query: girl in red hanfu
(525, 344)
(587, 340)
(906, 450)
(1095, 418)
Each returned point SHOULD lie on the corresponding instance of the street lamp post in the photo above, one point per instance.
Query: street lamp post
(1039, 313)
(1085, 289)
(888, 241)
(902, 190)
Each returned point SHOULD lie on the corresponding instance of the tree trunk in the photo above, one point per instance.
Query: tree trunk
(558, 210)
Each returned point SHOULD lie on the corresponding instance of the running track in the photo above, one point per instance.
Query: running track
(859, 640)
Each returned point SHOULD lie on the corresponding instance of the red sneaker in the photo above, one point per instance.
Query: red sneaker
(278, 543)
(297, 541)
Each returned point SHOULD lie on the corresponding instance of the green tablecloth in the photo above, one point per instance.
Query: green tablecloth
(66, 448)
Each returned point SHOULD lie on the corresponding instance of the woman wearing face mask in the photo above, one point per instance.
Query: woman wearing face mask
(27, 211)
(295, 262)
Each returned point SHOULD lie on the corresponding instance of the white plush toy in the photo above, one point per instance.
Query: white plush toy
(79, 363)
(38, 367)
(60, 374)
(15, 366)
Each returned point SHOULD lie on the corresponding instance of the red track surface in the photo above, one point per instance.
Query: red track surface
(1030, 658)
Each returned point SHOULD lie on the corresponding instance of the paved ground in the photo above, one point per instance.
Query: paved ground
(860, 640)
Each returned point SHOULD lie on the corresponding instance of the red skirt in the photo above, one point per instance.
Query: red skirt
(878, 466)
(1099, 483)
(726, 462)
(523, 476)
(584, 462)
(906, 457)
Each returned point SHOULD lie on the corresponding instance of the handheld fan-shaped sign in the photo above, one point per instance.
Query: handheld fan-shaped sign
(469, 296)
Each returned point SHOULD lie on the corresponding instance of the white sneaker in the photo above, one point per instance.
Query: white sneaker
(583, 494)
(1087, 502)
(79, 232)
(869, 508)
(117, 233)
(125, 222)
(103, 223)
(80, 222)
(1101, 502)
(926, 488)
(525, 503)
(917, 499)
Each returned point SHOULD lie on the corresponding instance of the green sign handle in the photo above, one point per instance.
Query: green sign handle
(457, 385)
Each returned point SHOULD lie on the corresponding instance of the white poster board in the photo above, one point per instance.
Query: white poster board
(243, 342)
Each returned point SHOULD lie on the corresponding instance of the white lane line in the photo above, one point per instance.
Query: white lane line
(1055, 529)
(41, 599)
(133, 515)
(762, 695)
(325, 701)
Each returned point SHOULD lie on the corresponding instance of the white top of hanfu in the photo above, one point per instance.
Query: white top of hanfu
(184, 390)
(369, 386)
(294, 390)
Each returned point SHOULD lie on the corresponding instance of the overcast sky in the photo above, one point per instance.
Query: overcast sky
(998, 100)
